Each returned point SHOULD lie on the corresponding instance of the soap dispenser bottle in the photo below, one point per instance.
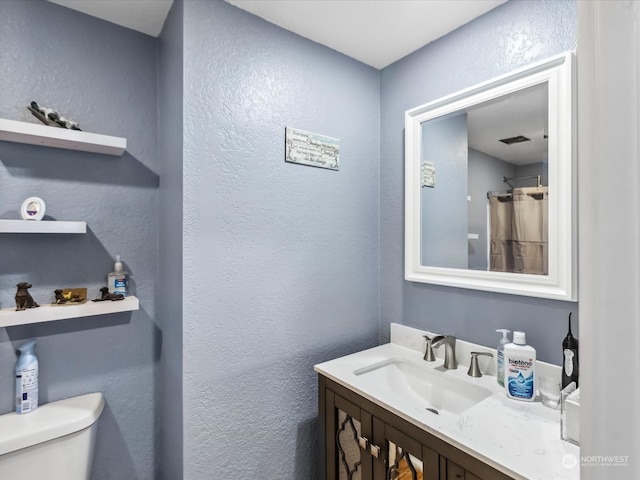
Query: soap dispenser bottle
(27, 378)
(117, 280)
(570, 369)
(520, 369)
(500, 355)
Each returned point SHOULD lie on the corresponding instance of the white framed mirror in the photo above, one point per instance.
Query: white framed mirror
(490, 188)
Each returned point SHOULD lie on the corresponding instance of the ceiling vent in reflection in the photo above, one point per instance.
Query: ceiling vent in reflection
(518, 139)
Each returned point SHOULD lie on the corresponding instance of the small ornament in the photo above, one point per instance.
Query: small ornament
(108, 296)
(23, 297)
(33, 208)
(70, 296)
(50, 117)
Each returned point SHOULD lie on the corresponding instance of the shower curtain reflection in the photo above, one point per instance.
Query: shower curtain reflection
(519, 231)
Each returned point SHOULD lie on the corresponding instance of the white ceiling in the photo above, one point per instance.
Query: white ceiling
(146, 16)
(375, 32)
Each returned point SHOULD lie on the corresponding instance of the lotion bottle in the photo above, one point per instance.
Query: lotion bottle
(520, 369)
(500, 355)
(26, 378)
(117, 280)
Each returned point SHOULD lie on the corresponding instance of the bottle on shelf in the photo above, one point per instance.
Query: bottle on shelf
(117, 280)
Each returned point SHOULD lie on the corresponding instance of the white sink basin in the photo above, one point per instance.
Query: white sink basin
(430, 388)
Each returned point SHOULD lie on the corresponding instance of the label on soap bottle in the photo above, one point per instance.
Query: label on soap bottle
(520, 377)
(520, 387)
(120, 285)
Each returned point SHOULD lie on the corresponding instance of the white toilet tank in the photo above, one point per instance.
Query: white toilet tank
(56, 441)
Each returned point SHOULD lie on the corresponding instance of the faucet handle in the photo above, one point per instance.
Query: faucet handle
(474, 369)
(428, 353)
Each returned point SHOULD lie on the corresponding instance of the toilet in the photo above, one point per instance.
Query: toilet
(56, 441)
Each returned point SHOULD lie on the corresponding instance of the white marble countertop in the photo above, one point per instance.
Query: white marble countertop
(521, 439)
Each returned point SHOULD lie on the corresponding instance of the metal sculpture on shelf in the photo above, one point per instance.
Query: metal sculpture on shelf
(108, 296)
(24, 299)
(50, 117)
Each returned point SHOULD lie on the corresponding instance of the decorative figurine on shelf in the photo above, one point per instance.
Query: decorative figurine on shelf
(33, 208)
(59, 297)
(50, 117)
(24, 298)
(70, 295)
(108, 296)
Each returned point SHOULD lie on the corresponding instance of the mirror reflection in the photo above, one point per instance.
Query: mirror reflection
(484, 185)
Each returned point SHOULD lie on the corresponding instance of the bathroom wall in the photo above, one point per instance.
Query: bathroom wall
(510, 36)
(280, 259)
(445, 204)
(281, 262)
(105, 77)
(170, 265)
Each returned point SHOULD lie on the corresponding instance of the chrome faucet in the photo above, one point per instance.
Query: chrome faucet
(428, 353)
(449, 342)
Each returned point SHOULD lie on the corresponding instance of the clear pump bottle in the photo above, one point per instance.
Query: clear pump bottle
(117, 280)
(500, 355)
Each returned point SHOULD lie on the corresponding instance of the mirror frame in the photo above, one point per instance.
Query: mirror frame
(560, 283)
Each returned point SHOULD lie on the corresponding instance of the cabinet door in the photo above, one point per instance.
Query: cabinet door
(456, 472)
(408, 459)
(348, 434)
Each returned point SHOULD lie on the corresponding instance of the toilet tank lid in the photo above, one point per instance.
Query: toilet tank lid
(49, 421)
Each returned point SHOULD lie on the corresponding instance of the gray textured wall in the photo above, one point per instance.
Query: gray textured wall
(105, 77)
(512, 35)
(443, 210)
(280, 260)
(170, 286)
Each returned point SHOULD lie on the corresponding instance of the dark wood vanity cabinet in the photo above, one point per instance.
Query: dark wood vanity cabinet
(364, 441)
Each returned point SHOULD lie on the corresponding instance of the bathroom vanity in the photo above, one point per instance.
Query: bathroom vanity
(388, 414)
(382, 434)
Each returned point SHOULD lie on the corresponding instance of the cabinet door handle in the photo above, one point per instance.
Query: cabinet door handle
(363, 442)
(375, 451)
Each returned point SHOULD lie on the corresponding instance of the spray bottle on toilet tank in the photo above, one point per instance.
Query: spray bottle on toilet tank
(26, 378)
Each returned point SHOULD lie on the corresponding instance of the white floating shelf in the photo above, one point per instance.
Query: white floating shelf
(34, 134)
(41, 226)
(49, 313)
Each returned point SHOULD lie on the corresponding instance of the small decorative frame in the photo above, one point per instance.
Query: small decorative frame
(70, 296)
(311, 149)
(428, 174)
